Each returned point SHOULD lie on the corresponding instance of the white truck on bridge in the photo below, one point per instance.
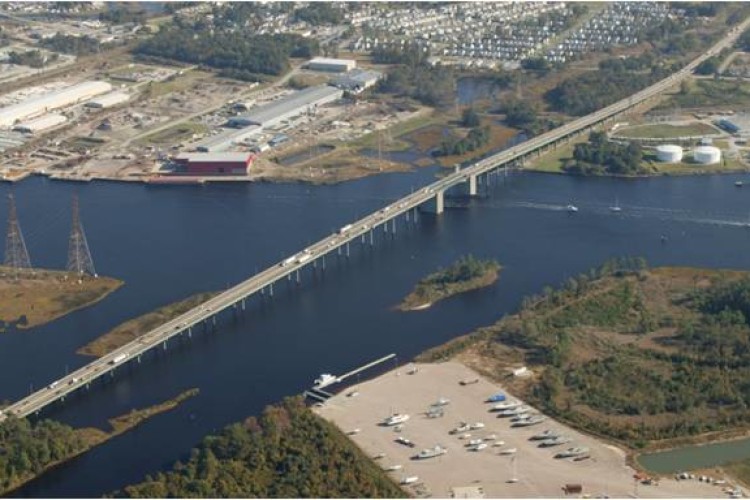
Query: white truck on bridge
(119, 358)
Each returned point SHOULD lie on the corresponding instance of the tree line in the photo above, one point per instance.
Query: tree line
(288, 452)
(600, 156)
(229, 50)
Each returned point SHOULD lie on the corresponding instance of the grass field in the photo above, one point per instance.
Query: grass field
(134, 328)
(667, 131)
(175, 134)
(43, 296)
(710, 93)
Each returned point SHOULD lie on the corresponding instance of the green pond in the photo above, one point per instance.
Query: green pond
(695, 457)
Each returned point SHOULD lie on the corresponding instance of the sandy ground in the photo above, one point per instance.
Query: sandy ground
(539, 474)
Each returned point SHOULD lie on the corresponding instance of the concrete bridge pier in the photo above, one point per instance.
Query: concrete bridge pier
(406, 214)
(323, 262)
(415, 215)
(363, 239)
(393, 226)
(298, 280)
(213, 319)
(190, 330)
(164, 345)
(243, 306)
(435, 205)
(372, 241)
(347, 249)
(270, 289)
(385, 227)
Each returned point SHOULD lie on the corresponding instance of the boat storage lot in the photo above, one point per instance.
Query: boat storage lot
(538, 473)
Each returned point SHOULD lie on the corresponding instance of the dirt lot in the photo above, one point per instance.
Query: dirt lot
(538, 473)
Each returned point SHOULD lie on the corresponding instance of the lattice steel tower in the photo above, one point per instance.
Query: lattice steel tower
(79, 256)
(16, 255)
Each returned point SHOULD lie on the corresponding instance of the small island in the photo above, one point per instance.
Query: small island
(32, 448)
(467, 273)
(134, 328)
(30, 298)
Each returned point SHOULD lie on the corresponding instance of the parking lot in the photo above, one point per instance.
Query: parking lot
(536, 470)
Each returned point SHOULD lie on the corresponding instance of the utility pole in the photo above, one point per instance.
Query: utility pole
(16, 254)
(79, 255)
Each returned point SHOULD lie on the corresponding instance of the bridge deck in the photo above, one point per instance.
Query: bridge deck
(236, 295)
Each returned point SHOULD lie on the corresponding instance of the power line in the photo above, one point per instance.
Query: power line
(79, 255)
(16, 254)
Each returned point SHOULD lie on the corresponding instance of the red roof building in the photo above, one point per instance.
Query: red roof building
(213, 163)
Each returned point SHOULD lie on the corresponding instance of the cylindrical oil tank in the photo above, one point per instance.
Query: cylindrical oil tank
(669, 153)
(706, 155)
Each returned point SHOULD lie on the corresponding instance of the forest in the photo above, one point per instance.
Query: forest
(288, 452)
(599, 156)
(629, 352)
(476, 138)
(76, 45)
(28, 448)
(229, 50)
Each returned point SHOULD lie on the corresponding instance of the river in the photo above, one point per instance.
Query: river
(169, 242)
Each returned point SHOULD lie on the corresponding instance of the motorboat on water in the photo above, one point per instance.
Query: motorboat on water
(739, 184)
(325, 379)
(396, 419)
(571, 209)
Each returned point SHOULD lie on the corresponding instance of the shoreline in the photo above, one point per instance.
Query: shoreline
(436, 292)
(98, 436)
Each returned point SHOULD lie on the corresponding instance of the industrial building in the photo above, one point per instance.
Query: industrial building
(108, 100)
(227, 139)
(40, 124)
(213, 163)
(298, 103)
(357, 80)
(45, 103)
(332, 65)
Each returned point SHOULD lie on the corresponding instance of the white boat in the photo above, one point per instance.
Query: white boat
(325, 379)
(508, 451)
(478, 447)
(410, 480)
(498, 444)
(555, 441)
(395, 419)
(393, 467)
(478, 425)
(461, 428)
(353, 432)
(441, 402)
(738, 183)
(533, 420)
(491, 437)
(571, 209)
(507, 405)
(572, 452)
(521, 417)
(474, 442)
(616, 207)
(514, 411)
(464, 436)
(431, 452)
(547, 434)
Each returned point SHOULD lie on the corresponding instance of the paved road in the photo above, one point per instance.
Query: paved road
(361, 229)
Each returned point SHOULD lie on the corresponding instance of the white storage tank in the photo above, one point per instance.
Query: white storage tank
(669, 153)
(707, 155)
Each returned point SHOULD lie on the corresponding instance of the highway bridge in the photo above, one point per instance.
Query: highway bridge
(429, 199)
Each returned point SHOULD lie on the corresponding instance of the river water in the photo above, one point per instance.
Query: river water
(169, 242)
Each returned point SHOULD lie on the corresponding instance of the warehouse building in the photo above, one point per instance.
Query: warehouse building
(45, 103)
(40, 124)
(357, 80)
(108, 100)
(296, 104)
(332, 65)
(213, 163)
(227, 139)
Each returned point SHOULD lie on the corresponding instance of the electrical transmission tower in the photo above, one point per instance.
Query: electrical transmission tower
(79, 256)
(16, 255)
